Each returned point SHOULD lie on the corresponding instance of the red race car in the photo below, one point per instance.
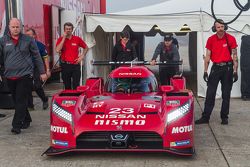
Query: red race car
(130, 112)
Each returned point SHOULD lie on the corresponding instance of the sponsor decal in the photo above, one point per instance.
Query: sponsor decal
(173, 103)
(58, 129)
(130, 73)
(119, 117)
(121, 111)
(74, 44)
(179, 143)
(152, 106)
(60, 143)
(120, 122)
(124, 116)
(68, 103)
(98, 104)
(182, 129)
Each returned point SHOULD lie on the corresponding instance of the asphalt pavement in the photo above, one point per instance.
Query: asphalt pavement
(216, 145)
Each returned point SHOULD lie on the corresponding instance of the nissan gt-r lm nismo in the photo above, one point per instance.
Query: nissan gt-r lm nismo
(130, 112)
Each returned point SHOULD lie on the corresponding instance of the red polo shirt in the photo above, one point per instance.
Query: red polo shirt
(219, 49)
(70, 49)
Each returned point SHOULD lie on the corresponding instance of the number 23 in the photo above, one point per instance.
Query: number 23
(121, 111)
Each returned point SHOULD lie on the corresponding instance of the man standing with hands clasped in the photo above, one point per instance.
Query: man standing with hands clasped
(68, 46)
(19, 54)
(222, 51)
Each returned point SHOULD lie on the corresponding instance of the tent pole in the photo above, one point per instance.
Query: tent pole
(202, 32)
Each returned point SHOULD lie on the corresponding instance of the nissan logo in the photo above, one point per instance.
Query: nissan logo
(118, 136)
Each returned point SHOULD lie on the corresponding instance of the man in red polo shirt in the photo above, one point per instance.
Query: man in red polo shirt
(222, 51)
(68, 46)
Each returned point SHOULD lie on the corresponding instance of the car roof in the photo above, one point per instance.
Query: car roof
(131, 72)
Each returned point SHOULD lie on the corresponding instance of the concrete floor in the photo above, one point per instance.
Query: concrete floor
(216, 145)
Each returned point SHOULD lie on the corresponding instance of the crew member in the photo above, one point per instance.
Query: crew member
(20, 54)
(168, 52)
(68, 46)
(222, 51)
(37, 84)
(174, 40)
(124, 50)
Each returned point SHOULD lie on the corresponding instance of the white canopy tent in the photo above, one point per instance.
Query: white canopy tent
(170, 16)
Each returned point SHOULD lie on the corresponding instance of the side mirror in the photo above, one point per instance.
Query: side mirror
(82, 88)
(167, 88)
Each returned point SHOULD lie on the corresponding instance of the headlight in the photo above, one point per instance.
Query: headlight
(179, 112)
(62, 113)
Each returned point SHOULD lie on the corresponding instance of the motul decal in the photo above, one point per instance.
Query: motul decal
(182, 129)
(58, 129)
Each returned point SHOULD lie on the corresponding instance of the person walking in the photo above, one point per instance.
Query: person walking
(222, 51)
(68, 46)
(20, 54)
(37, 84)
(168, 52)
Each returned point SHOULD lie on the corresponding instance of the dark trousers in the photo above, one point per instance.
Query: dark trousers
(166, 73)
(20, 89)
(71, 75)
(37, 87)
(223, 74)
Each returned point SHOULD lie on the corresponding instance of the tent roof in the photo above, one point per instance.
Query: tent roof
(197, 21)
(170, 16)
(116, 23)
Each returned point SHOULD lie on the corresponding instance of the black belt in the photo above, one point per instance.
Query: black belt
(66, 62)
(223, 63)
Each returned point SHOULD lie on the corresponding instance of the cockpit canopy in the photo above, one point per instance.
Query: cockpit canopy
(131, 85)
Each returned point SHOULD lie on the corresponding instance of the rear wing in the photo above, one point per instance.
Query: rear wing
(170, 63)
(135, 62)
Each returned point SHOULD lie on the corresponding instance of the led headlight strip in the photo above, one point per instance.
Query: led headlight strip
(62, 113)
(179, 112)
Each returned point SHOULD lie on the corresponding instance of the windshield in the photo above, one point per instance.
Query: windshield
(131, 85)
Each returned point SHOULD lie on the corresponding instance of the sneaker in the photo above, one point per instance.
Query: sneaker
(202, 120)
(224, 121)
(45, 105)
(16, 131)
(25, 125)
(2, 115)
